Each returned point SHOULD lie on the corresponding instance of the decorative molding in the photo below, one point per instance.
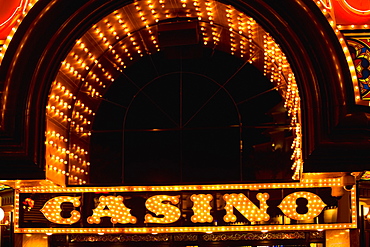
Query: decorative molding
(254, 236)
(120, 238)
(251, 236)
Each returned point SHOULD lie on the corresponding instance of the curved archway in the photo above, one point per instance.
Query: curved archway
(173, 38)
(314, 85)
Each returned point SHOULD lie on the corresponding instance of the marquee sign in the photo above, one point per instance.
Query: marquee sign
(181, 209)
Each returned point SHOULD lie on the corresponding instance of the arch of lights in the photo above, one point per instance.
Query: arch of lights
(124, 36)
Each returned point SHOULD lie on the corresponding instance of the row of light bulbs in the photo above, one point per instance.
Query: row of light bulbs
(305, 183)
(116, 35)
(156, 230)
(165, 206)
(201, 202)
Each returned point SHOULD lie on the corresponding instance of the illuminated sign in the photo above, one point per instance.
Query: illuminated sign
(172, 209)
(10, 11)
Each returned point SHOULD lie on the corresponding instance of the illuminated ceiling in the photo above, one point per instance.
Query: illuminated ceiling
(146, 30)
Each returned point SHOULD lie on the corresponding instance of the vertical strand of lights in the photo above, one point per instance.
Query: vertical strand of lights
(272, 59)
(79, 166)
(80, 58)
(279, 72)
(203, 31)
(123, 25)
(155, 17)
(16, 211)
(130, 34)
(83, 55)
(250, 24)
(230, 24)
(203, 26)
(209, 11)
(80, 126)
(144, 23)
(354, 206)
(242, 40)
(197, 9)
(216, 34)
(292, 104)
(99, 32)
(274, 63)
(95, 85)
(113, 36)
(153, 39)
(57, 110)
(56, 145)
(112, 28)
(129, 52)
(73, 66)
(120, 63)
(153, 10)
(266, 63)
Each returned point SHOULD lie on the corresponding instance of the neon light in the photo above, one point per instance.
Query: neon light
(327, 3)
(15, 11)
(352, 9)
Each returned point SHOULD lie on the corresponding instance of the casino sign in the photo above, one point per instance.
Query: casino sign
(188, 208)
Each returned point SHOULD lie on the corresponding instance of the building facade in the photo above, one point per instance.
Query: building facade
(185, 122)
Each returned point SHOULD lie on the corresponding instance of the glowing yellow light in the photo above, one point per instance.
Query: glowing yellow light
(315, 205)
(52, 210)
(116, 210)
(160, 206)
(201, 208)
(246, 207)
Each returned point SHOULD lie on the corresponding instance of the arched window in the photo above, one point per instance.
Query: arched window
(165, 93)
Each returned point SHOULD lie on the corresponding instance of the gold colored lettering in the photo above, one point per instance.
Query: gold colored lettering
(52, 210)
(116, 210)
(246, 207)
(289, 205)
(201, 208)
(161, 205)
